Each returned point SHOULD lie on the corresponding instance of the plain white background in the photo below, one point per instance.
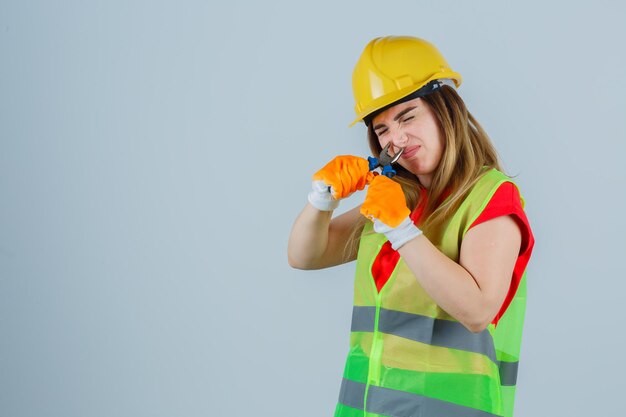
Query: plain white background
(153, 156)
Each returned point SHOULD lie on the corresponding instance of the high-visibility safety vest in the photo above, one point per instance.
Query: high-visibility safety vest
(408, 357)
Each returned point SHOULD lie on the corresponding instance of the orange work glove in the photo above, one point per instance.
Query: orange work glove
(345, 174)
(338, 179)
(386, 206)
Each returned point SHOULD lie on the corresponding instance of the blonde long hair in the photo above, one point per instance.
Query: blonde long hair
(467, 149)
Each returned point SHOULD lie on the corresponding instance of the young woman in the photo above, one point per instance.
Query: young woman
(441, 247)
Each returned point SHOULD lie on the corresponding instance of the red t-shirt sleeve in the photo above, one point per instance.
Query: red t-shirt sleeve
(506, 201)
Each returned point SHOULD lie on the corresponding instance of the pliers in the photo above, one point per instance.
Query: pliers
(385, 160)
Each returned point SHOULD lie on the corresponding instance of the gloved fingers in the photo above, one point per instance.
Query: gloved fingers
(345, 174)
(366, 179)
(385, 201)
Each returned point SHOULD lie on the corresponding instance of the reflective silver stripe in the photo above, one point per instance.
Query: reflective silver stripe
(396, 403)
(508, 373)
(363, 319)
(436, 332)
(352, 394)
(404, 404)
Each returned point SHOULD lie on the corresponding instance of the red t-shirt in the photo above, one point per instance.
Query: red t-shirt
(505, 201)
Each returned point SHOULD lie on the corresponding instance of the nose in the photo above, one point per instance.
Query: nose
(399, 140)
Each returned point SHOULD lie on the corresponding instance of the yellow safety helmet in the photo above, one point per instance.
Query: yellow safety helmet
(393, 67)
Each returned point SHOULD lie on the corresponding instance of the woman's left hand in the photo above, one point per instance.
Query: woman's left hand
(385, 201)
(385, 205)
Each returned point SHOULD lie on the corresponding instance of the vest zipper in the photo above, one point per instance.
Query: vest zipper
(373, 371)
(376, 351)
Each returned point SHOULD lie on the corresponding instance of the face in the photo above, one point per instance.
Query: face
(412, 125)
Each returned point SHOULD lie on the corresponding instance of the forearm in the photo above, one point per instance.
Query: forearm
(450, 285)
(309, 237)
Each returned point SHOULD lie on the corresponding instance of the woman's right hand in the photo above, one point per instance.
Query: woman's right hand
(318, 240)
(345, 174)
(338, 179)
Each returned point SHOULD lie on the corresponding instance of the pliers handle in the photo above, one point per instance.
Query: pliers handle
(385, 160)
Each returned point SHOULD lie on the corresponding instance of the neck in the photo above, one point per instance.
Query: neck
(424, 180)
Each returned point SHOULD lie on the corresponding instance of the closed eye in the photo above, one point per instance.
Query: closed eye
(382, 133)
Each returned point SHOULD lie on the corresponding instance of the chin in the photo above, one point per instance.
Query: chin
(414, 169)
